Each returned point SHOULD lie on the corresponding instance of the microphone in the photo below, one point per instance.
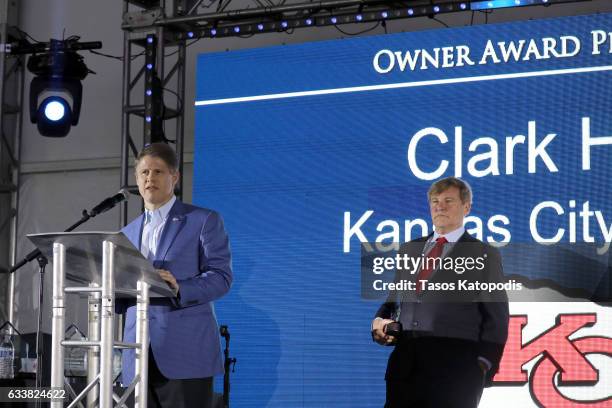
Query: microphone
(104, 206)
(110, 202)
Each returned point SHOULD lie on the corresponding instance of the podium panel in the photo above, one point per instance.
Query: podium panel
(84, 260)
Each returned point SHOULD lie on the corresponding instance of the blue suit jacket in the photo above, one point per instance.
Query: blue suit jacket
(183, 332)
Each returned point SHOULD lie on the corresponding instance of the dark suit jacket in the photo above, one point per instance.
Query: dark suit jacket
(475, 316)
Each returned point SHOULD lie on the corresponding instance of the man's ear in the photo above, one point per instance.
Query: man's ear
(175, 177)
(468, 208)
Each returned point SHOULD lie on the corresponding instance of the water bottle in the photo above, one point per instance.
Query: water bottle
(7, 357)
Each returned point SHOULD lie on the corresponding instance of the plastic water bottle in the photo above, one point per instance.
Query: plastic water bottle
(7, 357)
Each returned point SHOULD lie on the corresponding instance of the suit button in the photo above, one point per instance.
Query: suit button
(415, 324)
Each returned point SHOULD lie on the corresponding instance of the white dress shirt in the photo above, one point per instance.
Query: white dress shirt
(452, 236)
(154, 223)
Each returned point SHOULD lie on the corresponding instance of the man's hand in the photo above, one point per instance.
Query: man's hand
(169, 278)
(378, 333)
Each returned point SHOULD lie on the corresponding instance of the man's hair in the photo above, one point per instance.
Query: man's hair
(161, 151)
(465, 191)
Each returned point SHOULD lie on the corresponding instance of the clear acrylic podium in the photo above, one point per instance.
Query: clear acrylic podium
(103, 265)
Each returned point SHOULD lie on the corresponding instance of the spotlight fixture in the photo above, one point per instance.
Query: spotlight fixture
(56, 90)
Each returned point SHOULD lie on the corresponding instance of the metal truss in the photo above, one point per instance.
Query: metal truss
(153, 73)
(198, 18)
(11, 107)
(216, 18)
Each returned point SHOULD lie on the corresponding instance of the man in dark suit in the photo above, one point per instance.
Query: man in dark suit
(190, 249)
(451, 340)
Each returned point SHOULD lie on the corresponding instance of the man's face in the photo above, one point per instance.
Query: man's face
(155, 181)
(447, 210)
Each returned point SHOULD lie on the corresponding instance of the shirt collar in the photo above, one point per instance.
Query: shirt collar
(164, 210)
(452, 236)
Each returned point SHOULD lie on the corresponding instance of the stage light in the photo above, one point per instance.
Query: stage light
(190, 34)
(384, 14)
(149, 92)
(410, 12)
(463, 6)
(260, 27)
(148, 119)
(308, 21)
(150, 40)
(213, 32)
(149, 66)
(284, 24)
(54, 108)
(493, 4)
(56, 90)
(358, 17)
(236, 29)
(436, 9)
(53, 105)
(334, 20)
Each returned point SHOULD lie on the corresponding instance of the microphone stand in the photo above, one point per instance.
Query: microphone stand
(42, 263)
(229, 362)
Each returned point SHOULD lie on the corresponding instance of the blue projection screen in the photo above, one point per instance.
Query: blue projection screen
(308, 150)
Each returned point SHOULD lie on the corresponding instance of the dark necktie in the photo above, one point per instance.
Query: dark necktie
(430, 261)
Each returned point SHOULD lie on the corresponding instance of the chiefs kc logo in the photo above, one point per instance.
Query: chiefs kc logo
(556, 353)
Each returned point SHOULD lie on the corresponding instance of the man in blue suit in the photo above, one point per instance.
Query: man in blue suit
(189, 248)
